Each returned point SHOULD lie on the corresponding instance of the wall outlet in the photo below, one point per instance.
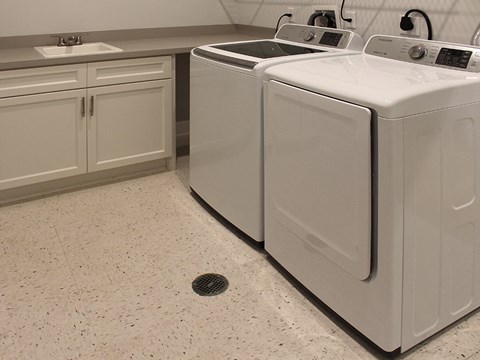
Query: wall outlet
(291, 10)
(349, 14)
(415, 32)
(330, 9)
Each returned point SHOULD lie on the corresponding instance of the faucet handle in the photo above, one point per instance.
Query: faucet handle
(79, 38)
(61, 40)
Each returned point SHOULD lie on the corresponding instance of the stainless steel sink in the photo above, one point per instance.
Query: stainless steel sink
(77, 50)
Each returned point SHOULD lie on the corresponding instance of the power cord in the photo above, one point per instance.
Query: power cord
(280, 18)
(341, 13)
(406, 23)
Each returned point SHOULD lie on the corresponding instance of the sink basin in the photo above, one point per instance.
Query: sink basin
(77, 50)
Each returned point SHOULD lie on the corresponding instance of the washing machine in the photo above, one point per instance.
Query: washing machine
(372, 184)
(226, 126)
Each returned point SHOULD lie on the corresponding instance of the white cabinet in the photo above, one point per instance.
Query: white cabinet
(61, 121)
(42, 137)
(131, 122)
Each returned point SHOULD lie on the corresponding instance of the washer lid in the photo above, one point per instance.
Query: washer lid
(292, 41)
(265, 49)
(392, 88)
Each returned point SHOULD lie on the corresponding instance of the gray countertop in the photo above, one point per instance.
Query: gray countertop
(26, 57)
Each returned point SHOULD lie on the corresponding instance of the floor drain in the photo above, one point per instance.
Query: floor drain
(210, 284)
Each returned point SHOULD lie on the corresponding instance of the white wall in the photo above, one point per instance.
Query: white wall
(452, 20)
(26, 17)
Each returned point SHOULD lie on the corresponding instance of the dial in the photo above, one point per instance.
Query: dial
(309, 36)
(417, 52)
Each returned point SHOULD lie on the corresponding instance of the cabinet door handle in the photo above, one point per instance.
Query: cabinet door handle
(91, 106)
(83, 107)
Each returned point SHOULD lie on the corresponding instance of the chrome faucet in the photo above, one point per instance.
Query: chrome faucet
(70, 41)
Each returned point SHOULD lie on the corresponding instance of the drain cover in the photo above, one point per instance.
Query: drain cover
(210, 284)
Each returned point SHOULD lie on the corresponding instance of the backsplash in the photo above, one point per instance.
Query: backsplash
(452, 20)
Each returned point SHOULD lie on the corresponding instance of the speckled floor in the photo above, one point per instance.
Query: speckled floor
(106, 272)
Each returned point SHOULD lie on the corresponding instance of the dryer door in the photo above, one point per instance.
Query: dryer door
(318, 181)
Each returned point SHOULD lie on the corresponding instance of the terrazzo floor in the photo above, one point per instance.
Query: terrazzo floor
(106, 272)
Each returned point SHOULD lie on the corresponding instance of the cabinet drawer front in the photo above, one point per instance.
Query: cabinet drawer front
(131, 70)
(42, 80)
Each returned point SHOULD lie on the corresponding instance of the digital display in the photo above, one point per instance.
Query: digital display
(330, 39)
(453, 57)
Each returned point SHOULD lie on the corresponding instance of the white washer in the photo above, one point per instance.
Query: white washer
(226, 126)
(372, 182)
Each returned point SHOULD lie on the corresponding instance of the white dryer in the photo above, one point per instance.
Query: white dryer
(372, 182)
(226, 122)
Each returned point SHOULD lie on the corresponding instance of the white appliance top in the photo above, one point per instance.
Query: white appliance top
(395, 76)
(291, 42)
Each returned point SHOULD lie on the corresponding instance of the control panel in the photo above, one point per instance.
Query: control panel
(453, 57)
(314, 35)
(425, 52)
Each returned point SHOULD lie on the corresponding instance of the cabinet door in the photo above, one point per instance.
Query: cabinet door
(129, 124)
(318, 188)
(42, 137)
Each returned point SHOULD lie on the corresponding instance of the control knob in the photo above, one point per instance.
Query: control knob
(417, 52)
(309, 36)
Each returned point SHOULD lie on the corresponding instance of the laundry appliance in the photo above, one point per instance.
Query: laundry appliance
(372, 183)
(226, 126)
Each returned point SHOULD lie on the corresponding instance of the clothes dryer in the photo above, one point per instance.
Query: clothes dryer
(372, 182)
